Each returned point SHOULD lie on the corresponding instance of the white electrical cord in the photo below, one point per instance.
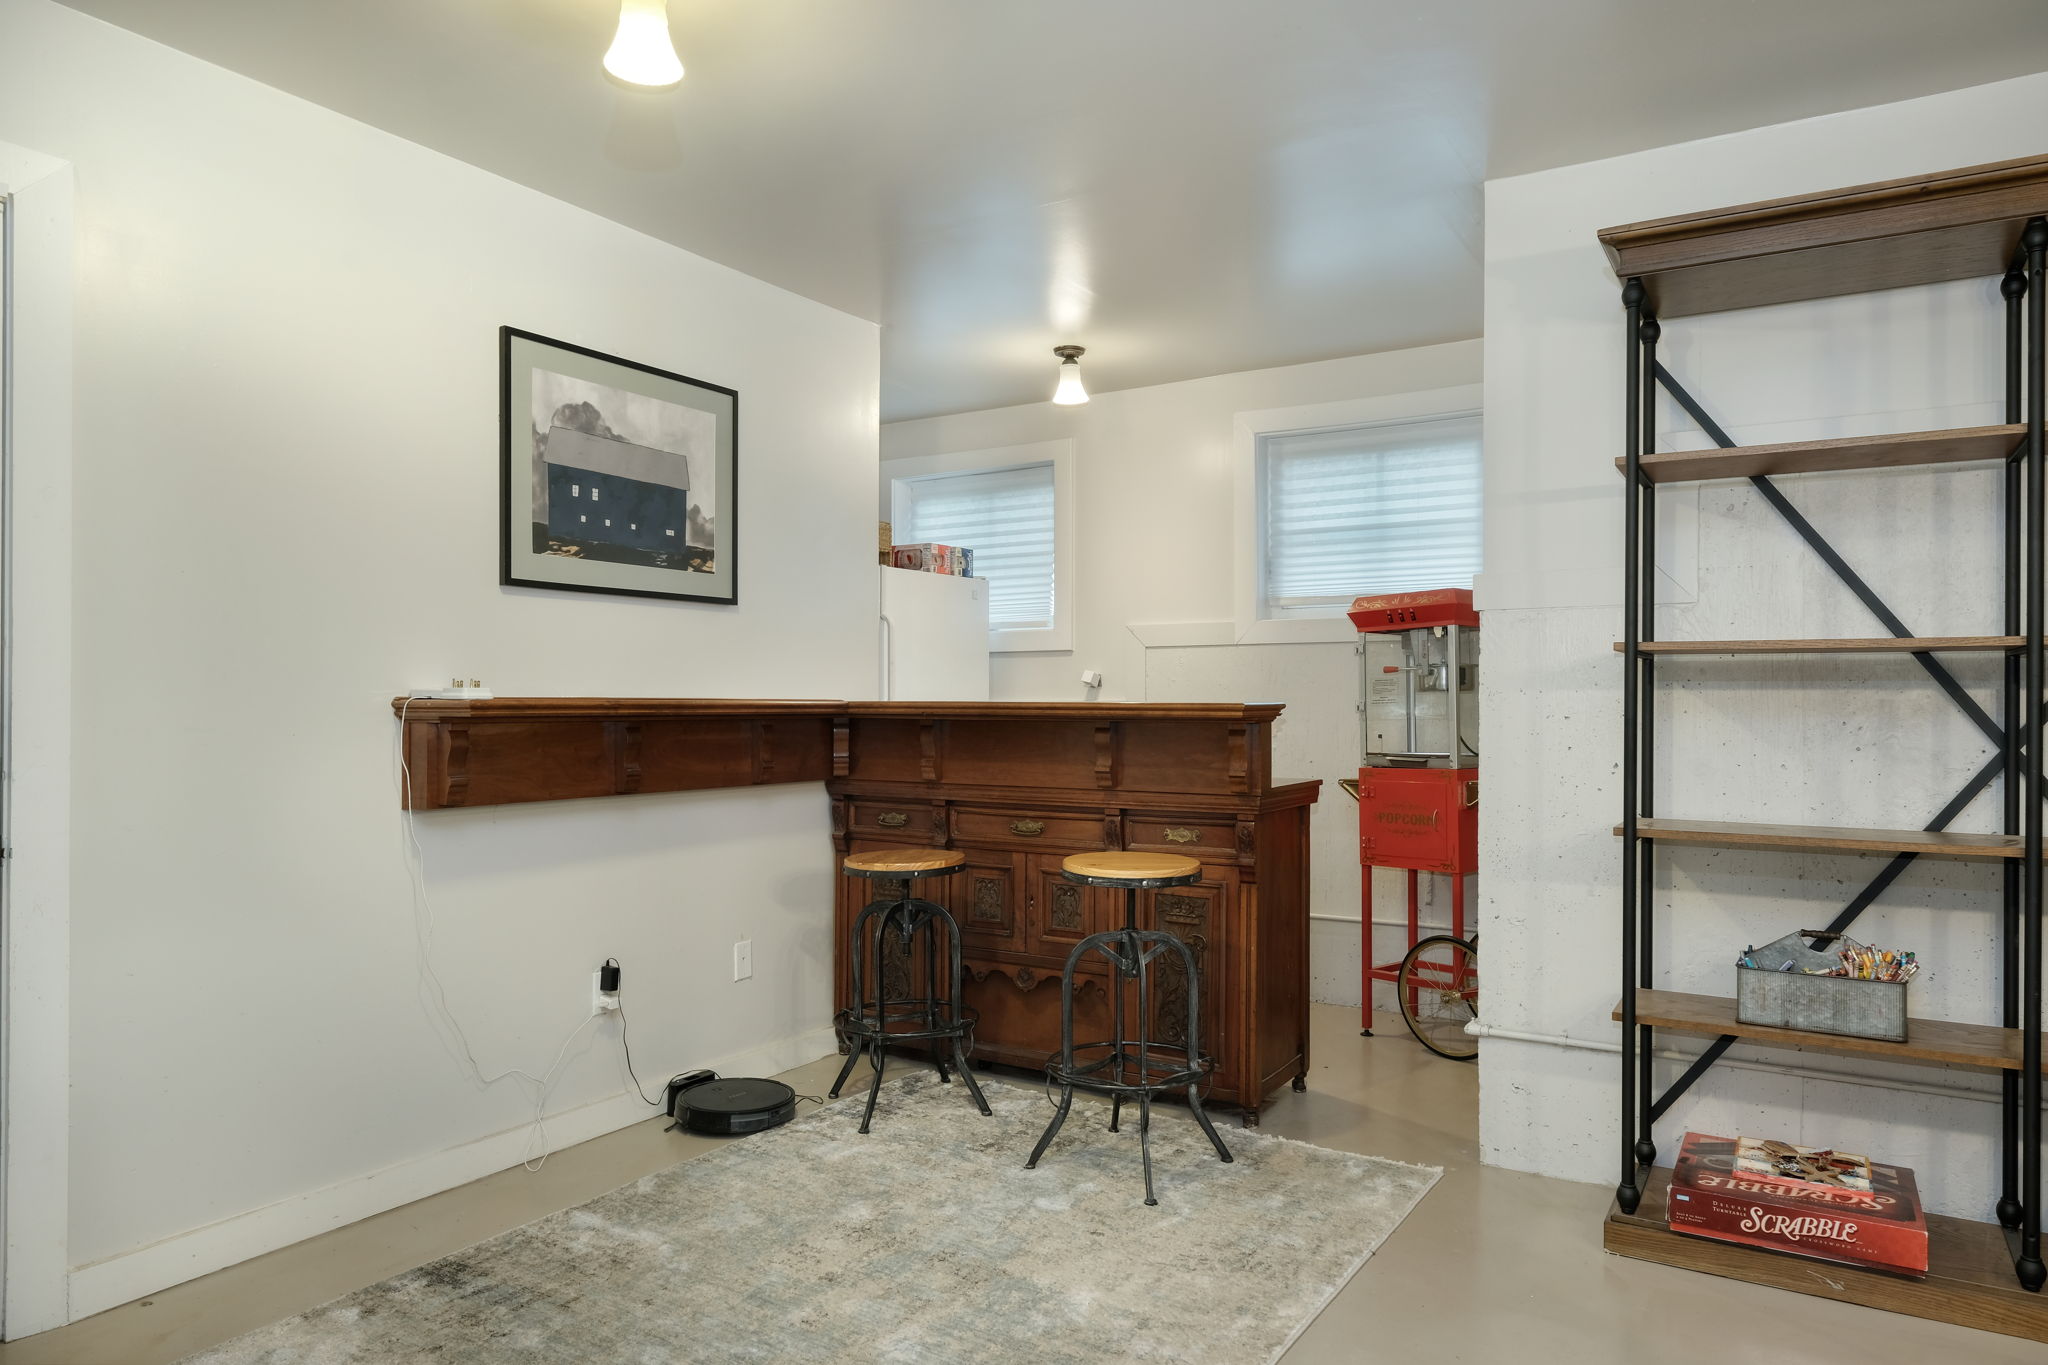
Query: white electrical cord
(436, 995)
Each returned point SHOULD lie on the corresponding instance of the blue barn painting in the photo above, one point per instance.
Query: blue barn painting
(605, 491)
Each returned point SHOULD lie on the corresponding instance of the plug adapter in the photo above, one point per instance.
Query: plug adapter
(456, 690)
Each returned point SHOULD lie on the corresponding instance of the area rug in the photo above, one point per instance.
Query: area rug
(924, 1242)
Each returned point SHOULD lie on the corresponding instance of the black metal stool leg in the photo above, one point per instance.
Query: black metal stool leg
(1202, 1117)
(967, 1075)
(931, 999)
(875, 1055)
(852, 1056)
(1052, 1129)
(1145, 1140)
(1116, 1112)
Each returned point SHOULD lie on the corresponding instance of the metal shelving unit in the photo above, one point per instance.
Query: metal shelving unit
(1979, 221)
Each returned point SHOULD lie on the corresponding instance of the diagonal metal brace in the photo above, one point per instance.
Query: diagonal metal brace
(1895, 865)
(1833, 559)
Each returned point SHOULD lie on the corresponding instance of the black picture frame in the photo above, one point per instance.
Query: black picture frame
(517, 457)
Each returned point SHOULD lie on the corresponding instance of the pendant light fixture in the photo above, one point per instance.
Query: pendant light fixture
(1070, 390)
(642, 53)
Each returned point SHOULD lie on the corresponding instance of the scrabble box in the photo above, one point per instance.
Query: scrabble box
(1882, 1228)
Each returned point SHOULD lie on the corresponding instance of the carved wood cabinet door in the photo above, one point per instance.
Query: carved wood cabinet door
(1061, 913)
(1197, 916)
(984, 898)
(901, 975)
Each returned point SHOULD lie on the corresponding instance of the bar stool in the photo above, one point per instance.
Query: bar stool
(1120, 1066)
(885, 1009)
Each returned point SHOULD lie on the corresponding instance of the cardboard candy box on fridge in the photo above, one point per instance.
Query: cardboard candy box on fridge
(932, 558)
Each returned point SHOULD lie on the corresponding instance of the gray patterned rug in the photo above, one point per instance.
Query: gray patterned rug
(924, 1242)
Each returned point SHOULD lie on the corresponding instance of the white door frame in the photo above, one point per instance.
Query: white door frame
(35, 654)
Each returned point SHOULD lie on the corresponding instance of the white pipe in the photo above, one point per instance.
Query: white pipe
(1479, 1029)
(1381, 923)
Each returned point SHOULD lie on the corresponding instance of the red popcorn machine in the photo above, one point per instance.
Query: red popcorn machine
(1418, 798)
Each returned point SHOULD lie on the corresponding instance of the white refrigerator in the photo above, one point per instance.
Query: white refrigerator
(934, 636)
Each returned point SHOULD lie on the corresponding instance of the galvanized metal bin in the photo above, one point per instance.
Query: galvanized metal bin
(1768, 995)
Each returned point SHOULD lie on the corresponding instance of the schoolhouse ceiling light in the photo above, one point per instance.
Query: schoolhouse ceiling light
(1070, 390)
(642, 53)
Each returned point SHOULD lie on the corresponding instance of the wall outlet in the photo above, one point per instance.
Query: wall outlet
(602, 1001)
(743, 959)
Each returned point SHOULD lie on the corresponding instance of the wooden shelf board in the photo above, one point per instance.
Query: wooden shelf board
(1958, 445)
(1948, 225)
(1969, 1271)
(1733, 834)
(1880, 644)
(1983, 1046)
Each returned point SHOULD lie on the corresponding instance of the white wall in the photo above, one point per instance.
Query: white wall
(286, 511)
(35, 1111)
(1157, 513)
(1823, 741)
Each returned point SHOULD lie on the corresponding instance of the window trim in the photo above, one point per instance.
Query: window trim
(1059, 636)
(1301, 626)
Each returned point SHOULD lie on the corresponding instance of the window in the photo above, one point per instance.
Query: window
(1006, 517)
(1389, 507)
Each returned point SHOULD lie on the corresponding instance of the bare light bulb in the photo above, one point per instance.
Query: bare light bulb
(643, 53)
(1070, 390)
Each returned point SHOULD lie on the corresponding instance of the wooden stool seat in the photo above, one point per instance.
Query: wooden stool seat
(904, 862)
(1132, 869)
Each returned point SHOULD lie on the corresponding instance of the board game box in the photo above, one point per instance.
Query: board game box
(1883, 1228)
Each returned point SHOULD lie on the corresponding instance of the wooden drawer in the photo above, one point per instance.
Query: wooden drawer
(1204, 837)
(1060, 831)
(911, 821)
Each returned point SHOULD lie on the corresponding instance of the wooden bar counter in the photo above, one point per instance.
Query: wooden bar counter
(1019, 786)
(1016, 786)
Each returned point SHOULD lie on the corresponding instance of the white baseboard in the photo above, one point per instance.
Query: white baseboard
(118, 1279)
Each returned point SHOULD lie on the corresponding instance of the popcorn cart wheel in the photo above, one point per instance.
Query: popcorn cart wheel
(1438, 985)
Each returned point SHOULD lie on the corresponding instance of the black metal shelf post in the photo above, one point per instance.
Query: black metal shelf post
(2018, 762)
(2028, 1263)
(1629, 1191)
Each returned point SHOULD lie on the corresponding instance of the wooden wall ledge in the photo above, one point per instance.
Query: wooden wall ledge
(577, 708)
(515, 749)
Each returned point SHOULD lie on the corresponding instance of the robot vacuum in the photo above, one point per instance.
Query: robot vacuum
(703, 1103)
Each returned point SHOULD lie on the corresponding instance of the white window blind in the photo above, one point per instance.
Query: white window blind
(1006, 517)
(1355, 510)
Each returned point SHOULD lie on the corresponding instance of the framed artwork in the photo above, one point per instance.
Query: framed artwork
(614, 477)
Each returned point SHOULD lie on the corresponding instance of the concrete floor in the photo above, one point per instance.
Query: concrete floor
(1493, 1265)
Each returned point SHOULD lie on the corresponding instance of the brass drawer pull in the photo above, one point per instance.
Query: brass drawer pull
(1182, 835)
(892, 819)
(1027, 827)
